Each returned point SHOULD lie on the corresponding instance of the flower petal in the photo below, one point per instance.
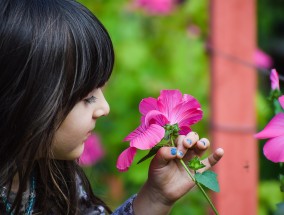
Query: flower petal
(93, 151)
(189, 110)
(155, 117)
(156, 7)
(168, 100)
(146, 137)
(281, 101)
(147, 105)
(262, 59)
(274, 128)
(274, 149)
(191, 100)
(190, 117)
(194, 117)
(184, 130)
(274, 78)
(125, 159)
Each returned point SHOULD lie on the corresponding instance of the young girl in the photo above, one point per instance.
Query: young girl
(55, 56)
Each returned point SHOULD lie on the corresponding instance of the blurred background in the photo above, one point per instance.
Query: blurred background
(165, 45)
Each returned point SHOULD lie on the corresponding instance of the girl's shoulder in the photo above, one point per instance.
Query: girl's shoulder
(126, 208)
(86, 206)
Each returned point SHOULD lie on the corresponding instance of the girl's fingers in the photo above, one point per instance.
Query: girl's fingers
(180, 149)
(187, 147)
(212, 159)
(190, 139)
(202, 145)
(198, 149)
(186, 142)
(164, 156)
(167, 154)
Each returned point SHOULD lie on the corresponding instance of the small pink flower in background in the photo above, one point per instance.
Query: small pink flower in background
(274, 131)
(274, 78)
(93, 151)
(170, 108)
(156, 7)
(262, 60)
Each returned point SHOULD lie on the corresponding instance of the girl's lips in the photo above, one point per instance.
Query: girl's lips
(88, 134)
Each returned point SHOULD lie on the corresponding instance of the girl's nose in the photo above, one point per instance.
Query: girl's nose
(102, 108)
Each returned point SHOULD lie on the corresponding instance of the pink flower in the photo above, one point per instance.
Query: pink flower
(93, 151)
(274, 78)
(274, 130)
(262, 60)
(156, 6)
(170, 108)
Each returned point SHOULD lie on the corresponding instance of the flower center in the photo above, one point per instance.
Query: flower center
(171, 131)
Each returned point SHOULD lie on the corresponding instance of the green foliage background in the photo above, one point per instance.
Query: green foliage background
(270, 39)
(152, 53)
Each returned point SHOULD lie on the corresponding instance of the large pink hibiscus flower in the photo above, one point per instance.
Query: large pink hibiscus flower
(274, 131)
(170, 108)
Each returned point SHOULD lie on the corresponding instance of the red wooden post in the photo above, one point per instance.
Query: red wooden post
(233, 88)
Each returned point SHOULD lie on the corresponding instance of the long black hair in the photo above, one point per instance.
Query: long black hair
(52, 54)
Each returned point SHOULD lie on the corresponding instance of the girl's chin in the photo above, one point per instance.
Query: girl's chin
(77, 153)
(73, 155)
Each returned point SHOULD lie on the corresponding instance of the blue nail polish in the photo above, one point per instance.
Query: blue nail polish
(180, 153)
(189, 141)
(173, 151)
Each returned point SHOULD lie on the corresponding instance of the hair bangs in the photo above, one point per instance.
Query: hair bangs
(90, 55)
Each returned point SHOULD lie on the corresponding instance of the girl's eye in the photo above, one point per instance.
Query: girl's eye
(90, 100)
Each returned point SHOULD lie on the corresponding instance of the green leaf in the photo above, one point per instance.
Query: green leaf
(195, 164)
(208, 179)
(277, 107)
(274, 94)
(152, 152)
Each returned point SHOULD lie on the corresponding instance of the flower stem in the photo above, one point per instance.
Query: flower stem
(187, 170)
(197, 183)
(200, 187)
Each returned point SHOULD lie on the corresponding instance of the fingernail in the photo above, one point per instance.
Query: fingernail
(189, 141)
(180, 153)
(173, 151)
(202, 141)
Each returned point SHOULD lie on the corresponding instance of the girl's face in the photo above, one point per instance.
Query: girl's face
(68, 143)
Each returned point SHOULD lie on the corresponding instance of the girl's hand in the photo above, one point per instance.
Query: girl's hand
(168, 181)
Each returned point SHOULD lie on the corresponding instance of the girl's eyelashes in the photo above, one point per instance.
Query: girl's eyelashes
(90, 100)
